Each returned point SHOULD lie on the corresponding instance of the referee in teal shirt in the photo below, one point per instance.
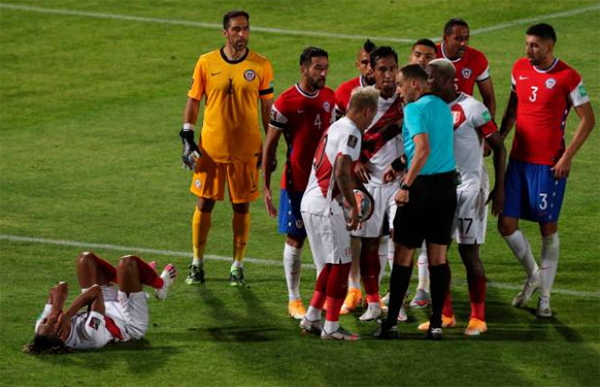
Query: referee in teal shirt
(427, 197)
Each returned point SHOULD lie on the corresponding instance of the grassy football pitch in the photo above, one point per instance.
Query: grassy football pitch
(91, 100)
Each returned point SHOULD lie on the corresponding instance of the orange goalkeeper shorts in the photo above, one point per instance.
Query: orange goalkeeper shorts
(210, 177)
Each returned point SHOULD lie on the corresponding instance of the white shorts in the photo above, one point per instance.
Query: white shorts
(130, 313)
(470, 220)
(385, 210)
(329, 240)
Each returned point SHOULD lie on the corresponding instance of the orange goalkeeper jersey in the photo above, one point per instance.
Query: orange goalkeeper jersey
(230, 130)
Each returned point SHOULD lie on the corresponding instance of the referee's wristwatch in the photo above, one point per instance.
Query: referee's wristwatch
(404, 186)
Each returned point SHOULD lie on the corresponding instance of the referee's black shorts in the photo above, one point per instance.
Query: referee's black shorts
(429, 213)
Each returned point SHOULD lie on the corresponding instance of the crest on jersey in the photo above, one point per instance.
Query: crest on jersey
(94, 323)
(550, 83)
(326, 106)
(466, 73)
(249, 75)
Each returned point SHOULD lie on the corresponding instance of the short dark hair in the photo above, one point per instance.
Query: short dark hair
(44, 345)
(424, 42)
(311, 52)
(414, 71)
(382, 52)
(542, 30)
(369, 46)
(231, 14)
(454, 22)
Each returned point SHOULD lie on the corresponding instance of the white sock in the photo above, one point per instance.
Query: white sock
(383, 255)
(237, 264)
(292, 265)
(331, 326)
(391, 250)
(522, 251)
(550, 250)
(198, 262)
(423, 265)
(313, 314)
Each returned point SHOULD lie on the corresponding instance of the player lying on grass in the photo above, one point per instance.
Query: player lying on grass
(111, 315)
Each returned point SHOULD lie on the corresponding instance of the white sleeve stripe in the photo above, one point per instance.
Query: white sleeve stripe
(578, 96)
(485, 74)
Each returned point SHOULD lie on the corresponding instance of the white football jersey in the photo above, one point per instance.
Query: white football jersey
(88, 331)
(472, 122)
(342, 138)
(388, 111)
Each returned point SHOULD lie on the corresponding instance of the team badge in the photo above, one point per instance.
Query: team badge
(249, 75)
(326, 106)
(550, 83)
(94, 323)
(466, 73)
(299, 224)
(197, 183)
(352, 141)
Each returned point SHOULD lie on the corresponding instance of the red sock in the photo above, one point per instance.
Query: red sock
(107, 269)
(448, 311)
(369, 273)
(477, 289)
(319, 296)
(147, 275)
(337, 287)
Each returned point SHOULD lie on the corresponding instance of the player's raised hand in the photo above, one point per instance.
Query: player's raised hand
(63, 326)
(562, 168)
(271, 210)
(191, 153)
(497, 199)
(362, 171)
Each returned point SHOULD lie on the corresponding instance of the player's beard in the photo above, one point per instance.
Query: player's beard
(317, 84)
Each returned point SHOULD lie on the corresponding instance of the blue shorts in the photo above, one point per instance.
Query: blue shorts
(290, 218)
(532, 193)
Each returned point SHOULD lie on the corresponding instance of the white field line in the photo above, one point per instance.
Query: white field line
(279, 31)
(169, 253)
(276, 31)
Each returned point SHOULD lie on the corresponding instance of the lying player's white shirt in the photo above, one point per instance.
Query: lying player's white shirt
(88, 331)
(472, 120)
(342, 138)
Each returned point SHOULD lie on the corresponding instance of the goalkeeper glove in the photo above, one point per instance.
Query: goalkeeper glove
(191, 153)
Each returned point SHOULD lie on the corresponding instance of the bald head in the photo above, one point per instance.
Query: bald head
(441, 77)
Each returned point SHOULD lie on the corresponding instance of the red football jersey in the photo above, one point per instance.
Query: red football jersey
(544, 100)
(472, 67)
(343, 92)
(303, 118)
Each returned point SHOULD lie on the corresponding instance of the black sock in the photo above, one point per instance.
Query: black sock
(398, 285)
(439, 281)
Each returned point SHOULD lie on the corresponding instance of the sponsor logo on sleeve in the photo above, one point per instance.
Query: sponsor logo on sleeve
(582, 90)
(249, 75)
(94, 323)
(352, 141)
(550, 83)
(487, 116)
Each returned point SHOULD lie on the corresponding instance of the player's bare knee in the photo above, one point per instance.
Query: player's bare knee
(127, 262)
(295, 241)
(85, 258)
(506, 227)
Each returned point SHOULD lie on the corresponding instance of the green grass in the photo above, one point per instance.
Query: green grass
(89, 115)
